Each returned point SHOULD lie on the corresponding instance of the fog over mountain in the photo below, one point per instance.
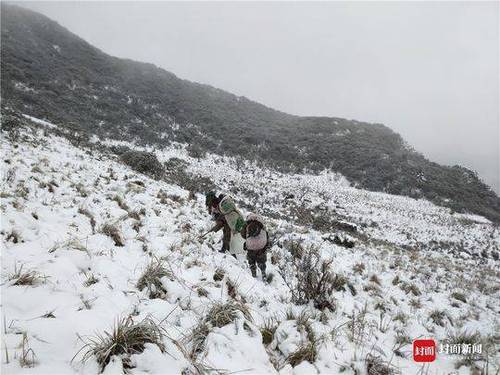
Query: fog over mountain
(427, 70)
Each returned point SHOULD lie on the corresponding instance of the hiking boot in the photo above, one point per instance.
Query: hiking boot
(263, 272)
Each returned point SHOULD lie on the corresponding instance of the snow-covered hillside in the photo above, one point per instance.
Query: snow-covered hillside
(80, 229)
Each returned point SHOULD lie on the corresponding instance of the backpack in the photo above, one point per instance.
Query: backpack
(259, 241)
(233, 217)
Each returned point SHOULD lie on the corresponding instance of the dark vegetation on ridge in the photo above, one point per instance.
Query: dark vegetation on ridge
(50, 73)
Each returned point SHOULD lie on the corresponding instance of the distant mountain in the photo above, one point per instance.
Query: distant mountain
(50, 73)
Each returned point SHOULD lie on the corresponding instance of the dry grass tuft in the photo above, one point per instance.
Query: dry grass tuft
(221, 314)
(86, 303)
(359, 268)
(304, 323)
(121, 203)
(72, 244)
(49, 315)
(339, 282)
(112, 231)
(30, 277)
(415, 303)
(202, 292)
(14, 236)
(376, 366)
(290, 314)
(91, 279)
(268, 329)
(409, 288)
(438, 317)
(134, 188)
(400, 317)
(306, 352)
(137, 214)
(87, 213)
(403, 339)
(396, 280)
(459, 297)
(27, 357)
(197, 339)
(374, 279)
(151, 278)
(162, 196)
(80, 188)
(37, 169)
(22, 191)
(373, 289)
(219, 274)
(126, 338)
(232, 289)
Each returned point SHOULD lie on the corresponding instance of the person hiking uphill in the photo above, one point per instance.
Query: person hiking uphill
(226, 217)
(256, 243)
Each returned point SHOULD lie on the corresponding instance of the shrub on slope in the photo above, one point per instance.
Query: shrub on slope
(143, 162)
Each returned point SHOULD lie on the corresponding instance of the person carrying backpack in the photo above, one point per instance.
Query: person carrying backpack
(226, 217)
(256, 243)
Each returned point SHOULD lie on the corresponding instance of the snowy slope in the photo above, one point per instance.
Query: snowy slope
(409, 258)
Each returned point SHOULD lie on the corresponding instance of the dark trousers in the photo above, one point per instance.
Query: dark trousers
(257, 257)
(226, 237)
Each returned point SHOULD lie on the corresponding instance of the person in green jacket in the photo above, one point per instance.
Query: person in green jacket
(226, 217)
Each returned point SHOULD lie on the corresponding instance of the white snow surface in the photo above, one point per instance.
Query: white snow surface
(48, 184)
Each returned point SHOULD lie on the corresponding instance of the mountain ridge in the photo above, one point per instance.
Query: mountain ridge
(52, 73)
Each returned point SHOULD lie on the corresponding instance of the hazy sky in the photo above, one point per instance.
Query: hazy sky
(428, 70)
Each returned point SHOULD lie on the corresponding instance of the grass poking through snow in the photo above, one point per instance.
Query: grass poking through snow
(151, 278)
(112, 231)
(221, 314)
(21, 277)
(126, 338)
